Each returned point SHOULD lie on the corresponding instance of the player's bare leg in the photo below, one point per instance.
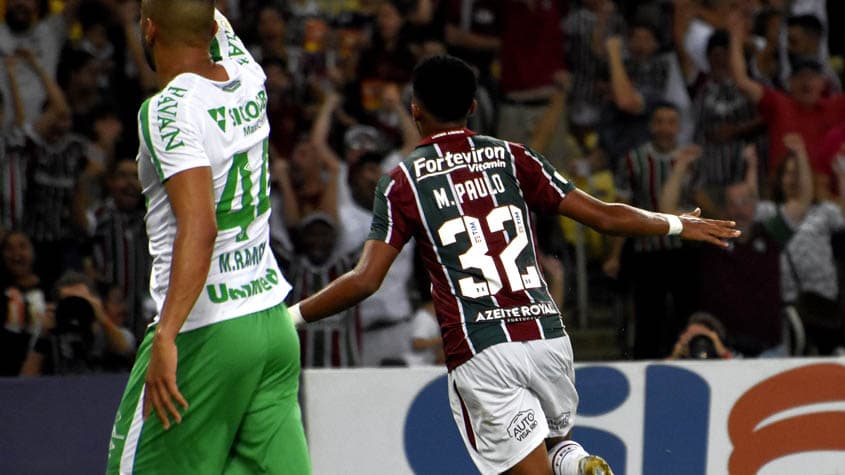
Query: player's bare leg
(535, 463)
(567, 457)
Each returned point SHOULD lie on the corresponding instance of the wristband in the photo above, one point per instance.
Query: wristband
(675, 224)
(296, 316)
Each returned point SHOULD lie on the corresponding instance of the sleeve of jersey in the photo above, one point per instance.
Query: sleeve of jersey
(390, 222)
(542, 186)
(227, 45)
(169, 134)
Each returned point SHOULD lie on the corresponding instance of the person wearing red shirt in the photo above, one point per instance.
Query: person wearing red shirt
(803, 111)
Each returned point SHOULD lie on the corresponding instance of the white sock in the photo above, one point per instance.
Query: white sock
(565, 457)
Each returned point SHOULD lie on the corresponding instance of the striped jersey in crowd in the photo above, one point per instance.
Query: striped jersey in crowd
(53, 177)
(716, 104)
(467, 200)
(332, 342)
(122, 258)
(15, 152)
(640, 177)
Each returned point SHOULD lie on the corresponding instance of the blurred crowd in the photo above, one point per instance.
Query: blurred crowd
(734, 107)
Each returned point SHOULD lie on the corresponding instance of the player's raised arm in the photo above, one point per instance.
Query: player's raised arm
(624, 220)
(226, 44)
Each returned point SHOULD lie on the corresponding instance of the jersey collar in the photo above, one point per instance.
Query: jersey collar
(447, 134)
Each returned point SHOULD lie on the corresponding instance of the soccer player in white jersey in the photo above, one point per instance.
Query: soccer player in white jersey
(214, 388)
(467, 199)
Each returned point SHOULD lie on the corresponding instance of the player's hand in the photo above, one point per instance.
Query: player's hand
(714, 231)
(160, 390)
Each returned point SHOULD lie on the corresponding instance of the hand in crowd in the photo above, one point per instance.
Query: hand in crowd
(686, 156)
(681, 348)
(391, 97)
(795, 144)
(563, 80)
(737, 26)
(611, 266)
(749, 155)
(614, 43)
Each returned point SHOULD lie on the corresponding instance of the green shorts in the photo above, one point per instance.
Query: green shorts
(241, 380)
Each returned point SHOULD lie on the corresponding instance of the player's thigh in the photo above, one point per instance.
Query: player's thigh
(217, 373)
(271, 439)
(499, 417)
(553, 381)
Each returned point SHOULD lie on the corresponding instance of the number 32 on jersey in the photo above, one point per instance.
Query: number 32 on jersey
(476, 256)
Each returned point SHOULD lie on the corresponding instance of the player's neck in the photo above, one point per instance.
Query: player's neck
(434, 128)
(177, 60)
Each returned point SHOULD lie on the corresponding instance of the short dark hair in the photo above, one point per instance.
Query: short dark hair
(719, 39)
(809, 23)
(663, 105)
(445, 87)
(71, 278)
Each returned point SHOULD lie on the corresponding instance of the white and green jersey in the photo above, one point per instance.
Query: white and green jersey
(195, 122)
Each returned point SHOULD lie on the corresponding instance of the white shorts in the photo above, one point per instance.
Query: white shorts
(510, 397)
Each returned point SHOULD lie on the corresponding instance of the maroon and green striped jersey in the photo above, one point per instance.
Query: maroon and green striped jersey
(466, 198)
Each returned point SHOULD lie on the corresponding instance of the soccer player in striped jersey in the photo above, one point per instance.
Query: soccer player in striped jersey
(222, 340)
(467, 200)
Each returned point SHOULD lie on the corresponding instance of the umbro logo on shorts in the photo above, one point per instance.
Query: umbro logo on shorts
(522, 424)
(559, 423)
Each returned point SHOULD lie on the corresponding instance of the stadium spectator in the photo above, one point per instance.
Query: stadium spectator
(804, 228)
(637, 83)
(654, 264)
(695, 22)
(285, 110)
(766, 62)
(385, 316)
(88, 335)
(803, 110)
(22, 302)
(78, 79)
(271, 36)
(703, 338)
(724, 119)
(739, 285)
(805, 36)
(60, 179)
(314, 176)
(532, 66)
(336, 341)
(586, 28)
(426, 343)
(120, 256)
(470, 32)
(30, 26)
(15, 148)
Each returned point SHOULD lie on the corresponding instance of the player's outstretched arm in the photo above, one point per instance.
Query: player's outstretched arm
(350, 288)
(191, 197)
(624, 220)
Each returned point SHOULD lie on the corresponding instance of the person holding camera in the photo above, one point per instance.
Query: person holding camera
(88, 335)
(702, 339)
